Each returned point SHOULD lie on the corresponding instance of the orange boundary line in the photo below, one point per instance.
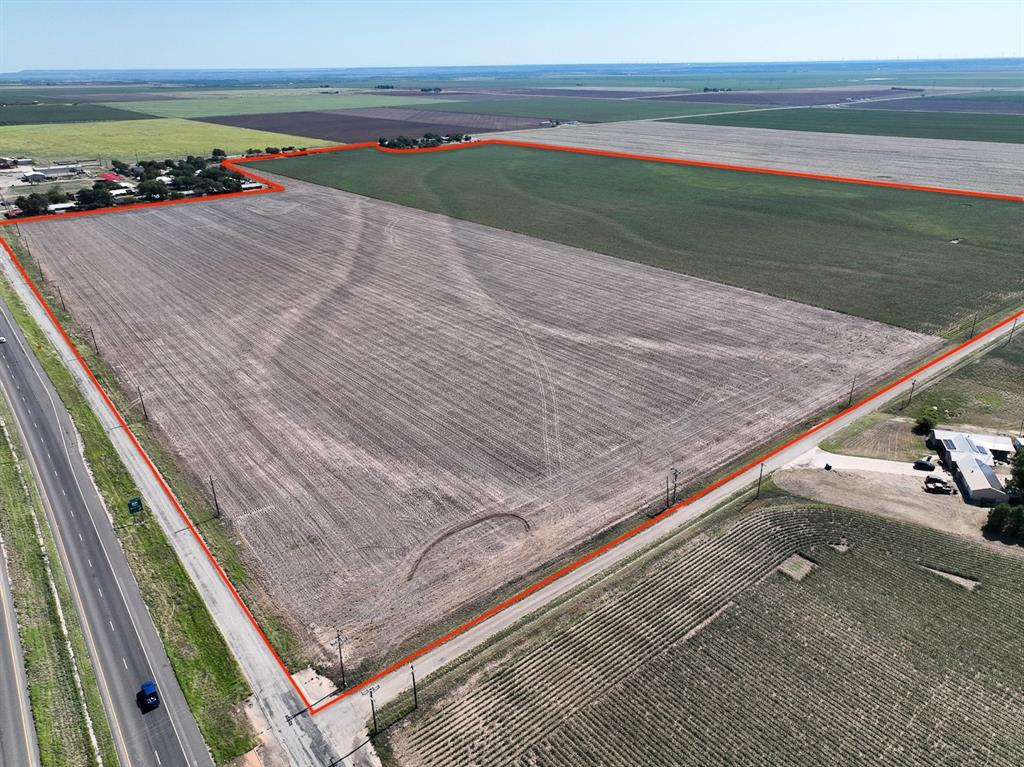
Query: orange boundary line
(275, 187)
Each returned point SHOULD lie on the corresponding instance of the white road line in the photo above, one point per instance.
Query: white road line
(157, 756)
(35, 366)
(81, 538)
(100, 591)
(111, 624)
(122, 657)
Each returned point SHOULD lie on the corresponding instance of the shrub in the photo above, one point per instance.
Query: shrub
(924, 424)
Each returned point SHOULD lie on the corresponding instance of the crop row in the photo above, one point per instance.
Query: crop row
(871, 659)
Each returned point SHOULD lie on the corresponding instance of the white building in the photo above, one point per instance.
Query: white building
(971, 458)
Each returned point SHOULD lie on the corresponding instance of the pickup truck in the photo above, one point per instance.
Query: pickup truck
(147, 697)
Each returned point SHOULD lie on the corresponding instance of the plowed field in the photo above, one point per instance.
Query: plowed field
(403, 411)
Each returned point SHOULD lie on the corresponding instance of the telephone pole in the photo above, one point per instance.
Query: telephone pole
(142, 402)
(95, 348)
(852, 384)
(341, 659)
(911, 397)
(759, 476)
(415, 696)
(61, 297)
(216, 505)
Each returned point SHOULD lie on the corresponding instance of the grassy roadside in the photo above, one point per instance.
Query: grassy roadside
(62, 712)
(207, 672)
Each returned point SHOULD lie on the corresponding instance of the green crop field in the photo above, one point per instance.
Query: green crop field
(584, 109)
(62, 113)
(141, 138)
(796, 635)
(1009, 96)
(879, 253)
(947, 125)
(987, 392)
(250, 103)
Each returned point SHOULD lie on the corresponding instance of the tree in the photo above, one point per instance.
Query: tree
(153, 189)
(997, 519)
(1017, 472)
(56, 194)
(273, 150)
(89, 199)
(1012, 527)
(218, 153)
(33, 205)
(924, 424)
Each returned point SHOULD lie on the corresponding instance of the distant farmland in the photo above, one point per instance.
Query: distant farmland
(582, 109)
(798, 636)
(879, 122)
(61, 113)
(366, 125)
(884, 254)
(142, 137)
(403, 411)
(246, 103)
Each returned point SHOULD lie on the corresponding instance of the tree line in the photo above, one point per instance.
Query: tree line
(428, 140)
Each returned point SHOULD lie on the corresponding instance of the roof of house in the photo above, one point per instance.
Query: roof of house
(979, 477)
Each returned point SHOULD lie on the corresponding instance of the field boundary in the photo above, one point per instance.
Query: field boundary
(272, 187)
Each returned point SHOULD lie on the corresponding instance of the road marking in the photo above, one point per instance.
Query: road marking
(111, 624)
(90, 563)
(122, 657)
(157, 756)
(100, 591)
(81, 538)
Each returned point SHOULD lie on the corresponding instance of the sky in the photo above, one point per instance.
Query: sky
(268, 34)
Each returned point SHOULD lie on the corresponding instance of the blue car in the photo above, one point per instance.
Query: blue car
(147, 697)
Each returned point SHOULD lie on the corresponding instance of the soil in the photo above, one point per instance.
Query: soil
(362, 379)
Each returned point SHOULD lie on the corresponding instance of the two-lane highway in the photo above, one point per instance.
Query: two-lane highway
(18, 746)
(123, 643)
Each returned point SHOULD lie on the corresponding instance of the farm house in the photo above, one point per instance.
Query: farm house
(971, 457)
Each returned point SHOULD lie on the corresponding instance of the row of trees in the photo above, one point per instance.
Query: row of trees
(428, 140)
(1006, 520)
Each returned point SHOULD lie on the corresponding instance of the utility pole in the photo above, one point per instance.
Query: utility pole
(759, 476)
(852, 384)
(675, 478)
(95, 348)
(911, 397)
(974, 324)
(61, 297)
(373, 708)
(341, 659)
(1013, 327)
(142, 402)
(415, 696)
(216, 505)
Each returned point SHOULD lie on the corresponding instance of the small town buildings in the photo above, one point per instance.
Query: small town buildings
(52, 173)
(61, 207)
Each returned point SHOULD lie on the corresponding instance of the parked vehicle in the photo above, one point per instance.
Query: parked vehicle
(923, 464)
(938, 485)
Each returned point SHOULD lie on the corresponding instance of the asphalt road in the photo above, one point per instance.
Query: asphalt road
(123, 643)
(18, 745)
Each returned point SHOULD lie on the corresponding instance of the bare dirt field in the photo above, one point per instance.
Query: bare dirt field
(465, 121)
(351, 128)
(889, 495)
(975, 165)
(402, 411)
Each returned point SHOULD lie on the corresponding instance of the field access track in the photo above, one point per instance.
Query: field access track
(481, 264)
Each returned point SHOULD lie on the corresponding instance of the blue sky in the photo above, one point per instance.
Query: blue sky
(153, 34)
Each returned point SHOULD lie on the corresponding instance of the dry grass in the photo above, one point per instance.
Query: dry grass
(403, 411)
